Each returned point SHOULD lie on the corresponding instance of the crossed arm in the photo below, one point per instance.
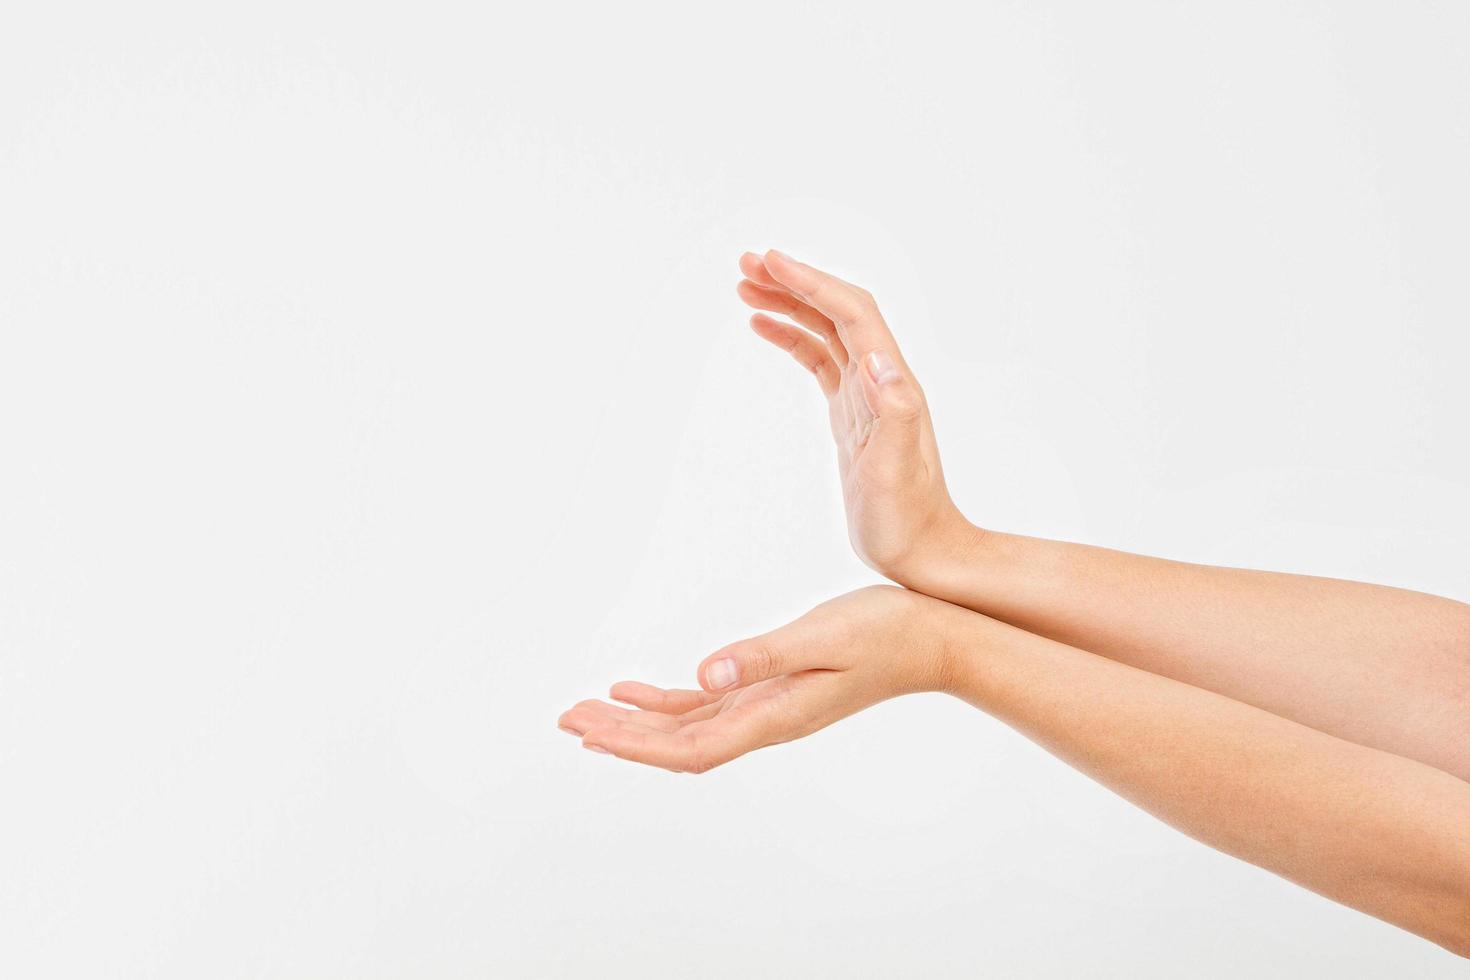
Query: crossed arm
(1317, 728)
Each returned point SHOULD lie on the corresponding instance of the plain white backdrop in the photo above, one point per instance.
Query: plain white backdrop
(373, 387)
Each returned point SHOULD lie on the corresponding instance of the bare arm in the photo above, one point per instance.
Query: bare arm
(1380, 666)
(1372, 830)
(1381, 833)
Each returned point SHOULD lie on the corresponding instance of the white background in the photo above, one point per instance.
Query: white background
(373, 387)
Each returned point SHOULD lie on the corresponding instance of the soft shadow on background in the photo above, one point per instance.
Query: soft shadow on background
(372, 387)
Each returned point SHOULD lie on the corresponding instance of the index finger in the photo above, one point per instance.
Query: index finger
(650, 698)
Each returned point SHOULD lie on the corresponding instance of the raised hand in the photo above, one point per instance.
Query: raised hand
(844, 655)
(892, 483)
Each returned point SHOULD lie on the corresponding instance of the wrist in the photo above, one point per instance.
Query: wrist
(941, 552)
(953, 635)
(978, 655)
(935, 642)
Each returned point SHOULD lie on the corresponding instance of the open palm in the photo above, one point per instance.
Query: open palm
(694, 731)
(892, 482)
(841, 657)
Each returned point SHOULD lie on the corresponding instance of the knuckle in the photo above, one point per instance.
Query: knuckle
(762, 660)
(862, 309)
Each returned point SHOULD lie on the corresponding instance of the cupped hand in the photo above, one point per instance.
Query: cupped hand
(844, 655)
(892, 483)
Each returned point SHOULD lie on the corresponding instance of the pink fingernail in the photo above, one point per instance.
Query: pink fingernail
(881, 367)
(596, 748)
(721, 674)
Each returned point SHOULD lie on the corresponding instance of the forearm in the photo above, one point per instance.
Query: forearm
(1380, 666)
(1372, 830)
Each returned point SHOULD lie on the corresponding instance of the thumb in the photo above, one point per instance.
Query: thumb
(747, 662)
(894, 398)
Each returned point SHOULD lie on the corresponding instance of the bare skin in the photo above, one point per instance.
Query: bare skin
(1381, 666)
(1367, 828)
(1315, 727)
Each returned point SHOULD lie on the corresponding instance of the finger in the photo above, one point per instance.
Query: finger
(576, 719)
(586, 715)
(694, 749)
(807, 350)
(572, 722)
(754, 268)
(666, 750)
(650, 698)
(800, 645)
(851, 310)
(705, 713)
(579, 717)
(780, 301)
(645, 744)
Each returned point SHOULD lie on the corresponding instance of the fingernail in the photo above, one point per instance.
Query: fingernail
(881, 367)
(783, 256)
(570, 731)
(721, 674)
(596, 748)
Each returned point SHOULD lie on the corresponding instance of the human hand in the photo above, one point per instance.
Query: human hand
(898, 506)
(844, 655)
